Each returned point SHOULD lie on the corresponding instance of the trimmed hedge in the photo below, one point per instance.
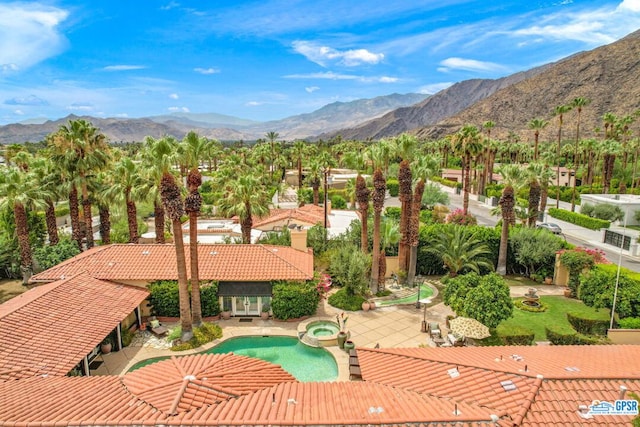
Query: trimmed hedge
(629, 323)
(165, 299)
(347, 302)
(203, 334)
(516, 335)
(588, 326)
(579, 219)
(574, 338)
(446, 182)
(209, 300)
(292, 300)
(393, 186)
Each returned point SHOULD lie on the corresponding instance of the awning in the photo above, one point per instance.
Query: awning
(247, 289)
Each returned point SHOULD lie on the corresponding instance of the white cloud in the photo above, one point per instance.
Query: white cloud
(80, 107)
(19, 112)
(178, 109)
(311, 89)
(29, 34)
(434, 88)
(468, 65)
(123, 67)
(630, 5)
(253, 103)
(323, 55)
(329, 75)
(387, 79)
(174, 96)
(26, 100)
(170, 5)
(205, 71)
(121, 115)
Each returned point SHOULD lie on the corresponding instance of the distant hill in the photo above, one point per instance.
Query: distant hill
(226, 128)
(609, 76)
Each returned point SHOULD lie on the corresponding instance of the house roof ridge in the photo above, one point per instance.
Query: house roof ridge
(286, 261)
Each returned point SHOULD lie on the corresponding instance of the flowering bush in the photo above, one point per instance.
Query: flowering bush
(324, 285)
(457, 216)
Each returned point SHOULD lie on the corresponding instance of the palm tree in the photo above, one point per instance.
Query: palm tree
(512, 176)
(363, 195)
(466, 142)
(299, 148)
(389, 235)
(245, 197)
(577, 104)
(19, 191)
(272, 136)
(126, 187)
(534, 171)
(461, 249)
(174, 208)
(379, 190)
(405, 148)
(537, 125)
(49, 179)
(314, 179)
(560, 110)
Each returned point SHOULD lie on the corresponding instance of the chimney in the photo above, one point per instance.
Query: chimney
(623, 390)
(299, 239)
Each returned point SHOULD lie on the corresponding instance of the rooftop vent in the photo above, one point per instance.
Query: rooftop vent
(508, 385)
(145, 252)
(453, 372)
(213, 253)
(572, 369)
(623, 390)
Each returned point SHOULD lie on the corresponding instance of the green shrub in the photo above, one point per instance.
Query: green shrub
(209, 301)
(127, 337)
(393, 186)
(164, 298)
(515, 335)
(446, 182)
(518, 303)
(579, 219)
(49, 256)
(207, 332)
(561, 338)
(338, 202)
(292, 300)
(597, 289)
(62, 210)
(305, 195)
(629, 323)
(392, 212)
(607, 212)
(587, 209)
(426, 217)
(344, 301)
(588, 326)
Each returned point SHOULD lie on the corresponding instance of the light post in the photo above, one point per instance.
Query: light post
(424, 301)
(326, 214)
(615, 289)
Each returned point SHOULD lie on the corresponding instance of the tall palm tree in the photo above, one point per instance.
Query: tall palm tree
(379, 190)
(126, 187)
(174, 208)
(405, 148)
(534, 171)
(461, 250)
(272, 137)
(389, 235)
(19, 191)
(49, 179)
(466, 142)
(299, 150)
(363, 195)
(578, 104)
(537, 125)
(245, 197)
(512, 177)
(559, 111)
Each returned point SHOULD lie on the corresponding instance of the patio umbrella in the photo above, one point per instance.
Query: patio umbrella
(469, 328)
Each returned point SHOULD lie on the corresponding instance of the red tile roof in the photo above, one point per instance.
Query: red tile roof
(120, 262)
(184, 383)
(538, 377)
(49, 329)
(308, 214)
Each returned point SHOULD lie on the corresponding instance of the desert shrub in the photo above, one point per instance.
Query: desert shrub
(587, 209)
(434, 195)
(203, 334)
(349, 268)
(534, 249)
(342, 300)
(588, 326)
(457, 216)
(393, 186)
(292, 300)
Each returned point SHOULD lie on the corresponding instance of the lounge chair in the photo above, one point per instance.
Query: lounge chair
(434, 330)
(157, 329)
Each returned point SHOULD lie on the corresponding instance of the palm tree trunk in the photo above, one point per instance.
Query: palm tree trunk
(74, 213)
(105, 224)
(414, 231)
(466, 183)
(158, 221)
(22, 230)
(245, 226)
(132, 220)
(52, 226)
(382, 270)
(183, 284)
(196, 306)
(299, 173)
(86, 211)
(507, 202)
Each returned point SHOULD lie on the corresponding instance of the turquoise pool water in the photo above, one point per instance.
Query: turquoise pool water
(307, 364)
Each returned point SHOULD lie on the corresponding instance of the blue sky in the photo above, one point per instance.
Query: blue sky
(269, 59)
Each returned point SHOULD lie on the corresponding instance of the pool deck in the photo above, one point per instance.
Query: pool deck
(388, 327)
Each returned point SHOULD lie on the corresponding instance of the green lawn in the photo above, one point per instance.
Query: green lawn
(556, 314)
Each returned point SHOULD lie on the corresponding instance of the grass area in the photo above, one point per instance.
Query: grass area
(520, 281)
(11, 288)
(556, 314)
(425, 292)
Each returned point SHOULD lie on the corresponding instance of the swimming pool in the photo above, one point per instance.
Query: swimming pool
(306, 364)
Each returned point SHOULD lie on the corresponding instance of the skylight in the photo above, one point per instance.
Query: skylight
(508, 385)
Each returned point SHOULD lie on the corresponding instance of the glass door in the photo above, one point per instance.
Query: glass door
(251, 303)
(246, 306)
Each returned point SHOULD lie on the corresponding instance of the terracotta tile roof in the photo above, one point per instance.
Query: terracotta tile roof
(524, 382)
(121, 262)
(184, 383)
(307, 214)
(49, 329)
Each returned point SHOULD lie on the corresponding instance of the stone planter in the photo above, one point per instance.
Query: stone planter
(225, 315)
(264, 315)
(372, 305)
(105, 348)
(567, 292)
(548, 281)
(349, 345)
(366, 306)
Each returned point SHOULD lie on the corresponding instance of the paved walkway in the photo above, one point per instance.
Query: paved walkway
(393, 326)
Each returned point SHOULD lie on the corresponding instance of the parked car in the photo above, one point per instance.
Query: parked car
(554, 228)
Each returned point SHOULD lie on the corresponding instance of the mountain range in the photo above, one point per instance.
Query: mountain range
(608, 76)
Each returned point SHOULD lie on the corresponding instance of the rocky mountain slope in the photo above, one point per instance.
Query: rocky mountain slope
(609, 76)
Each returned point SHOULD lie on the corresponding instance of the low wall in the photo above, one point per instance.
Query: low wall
(392, 265)
(624, 336)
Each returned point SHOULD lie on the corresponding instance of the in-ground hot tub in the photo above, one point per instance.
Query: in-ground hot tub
(319, 333)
